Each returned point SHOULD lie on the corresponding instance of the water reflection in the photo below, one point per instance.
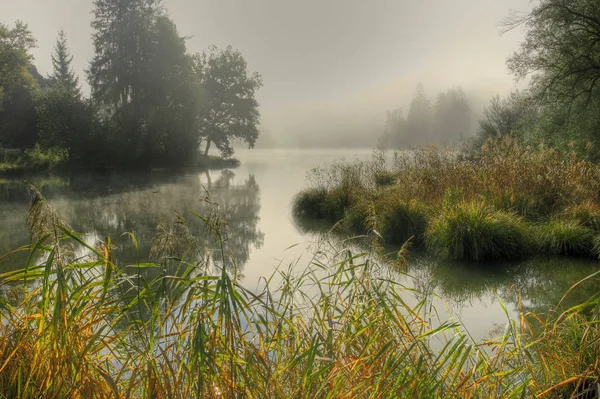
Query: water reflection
(109, 206)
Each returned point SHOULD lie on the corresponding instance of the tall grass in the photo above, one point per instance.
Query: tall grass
(476, 231)
(82, 325)
(533, 185)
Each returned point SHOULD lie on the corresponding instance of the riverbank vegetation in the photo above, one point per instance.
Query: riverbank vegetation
(506, 201)
(527, 183)
(77, 323)
(152, 104)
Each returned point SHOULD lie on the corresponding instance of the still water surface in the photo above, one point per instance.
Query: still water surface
(256, 200)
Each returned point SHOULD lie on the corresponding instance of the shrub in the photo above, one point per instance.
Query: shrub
(476, 231)
(564, 237)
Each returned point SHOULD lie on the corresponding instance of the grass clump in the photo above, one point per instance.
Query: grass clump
(398, 220)
(476, 231)
(564, 237)
(320, 203)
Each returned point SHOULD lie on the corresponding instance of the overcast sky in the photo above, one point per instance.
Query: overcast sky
(334, 58)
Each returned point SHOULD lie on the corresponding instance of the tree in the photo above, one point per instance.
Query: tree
(420, 117)
(17, 114)
(63, 74)
(561, 51)
(121, 40)
(231, 109)
(452, 115)
(172, 98)
(64, 121)
(395, 129)
(504, 117)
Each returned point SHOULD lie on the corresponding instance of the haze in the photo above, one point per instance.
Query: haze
(330, 68)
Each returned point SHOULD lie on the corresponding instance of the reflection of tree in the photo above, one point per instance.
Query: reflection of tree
(113, 205)
(238, 206)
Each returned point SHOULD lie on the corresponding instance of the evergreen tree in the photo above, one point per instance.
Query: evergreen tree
(121, 40)
(63, 74)
(420, 117)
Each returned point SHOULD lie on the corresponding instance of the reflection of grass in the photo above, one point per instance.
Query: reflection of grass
(94, 328)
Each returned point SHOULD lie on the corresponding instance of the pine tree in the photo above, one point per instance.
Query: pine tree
(63, 75)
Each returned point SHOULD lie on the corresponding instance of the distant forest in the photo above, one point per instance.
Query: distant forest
(152, 104)
(560, 108)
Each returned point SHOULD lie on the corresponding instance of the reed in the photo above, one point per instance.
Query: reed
(86, 326)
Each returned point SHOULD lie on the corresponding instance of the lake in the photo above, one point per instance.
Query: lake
(256, 201)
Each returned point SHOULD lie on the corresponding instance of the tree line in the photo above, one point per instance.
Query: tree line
(560, 107)
(560, 56)
(152, 104)
(445, 121)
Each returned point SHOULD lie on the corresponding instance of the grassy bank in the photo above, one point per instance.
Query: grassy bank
(36, 160)
(76, 323)
(506, 202)
(32, 161)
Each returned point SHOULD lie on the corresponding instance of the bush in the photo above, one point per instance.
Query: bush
(564, 237)
(476, 231)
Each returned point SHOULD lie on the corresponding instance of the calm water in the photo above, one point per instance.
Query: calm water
(256, 200)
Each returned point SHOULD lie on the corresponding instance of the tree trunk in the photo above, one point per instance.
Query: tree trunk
(207, 147)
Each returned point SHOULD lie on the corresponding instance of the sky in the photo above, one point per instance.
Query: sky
(326, 64)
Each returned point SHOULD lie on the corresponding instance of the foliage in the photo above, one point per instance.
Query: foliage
(560, 50)
(399, 221)
(232, 112)
(34, 160)
(447, 121)
(64, 121)
(17, 114)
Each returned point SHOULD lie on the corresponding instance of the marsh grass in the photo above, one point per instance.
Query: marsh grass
(85, 326)
(476, 231)
(565, 237)
(429, 186)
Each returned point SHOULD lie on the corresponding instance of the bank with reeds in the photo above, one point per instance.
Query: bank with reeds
(77, 323)
(505, 202)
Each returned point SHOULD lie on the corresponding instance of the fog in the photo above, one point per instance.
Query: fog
(331, 69)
